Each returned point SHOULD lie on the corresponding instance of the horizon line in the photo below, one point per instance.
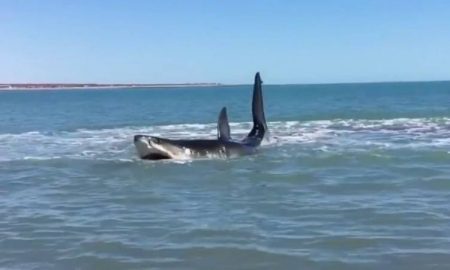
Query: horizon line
(213, 83)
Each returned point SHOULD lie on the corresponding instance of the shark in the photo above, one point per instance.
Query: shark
(223, 146)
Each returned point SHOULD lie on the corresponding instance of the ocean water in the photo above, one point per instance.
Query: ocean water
(353, 176)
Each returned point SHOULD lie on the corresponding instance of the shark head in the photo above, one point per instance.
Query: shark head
(155, 148)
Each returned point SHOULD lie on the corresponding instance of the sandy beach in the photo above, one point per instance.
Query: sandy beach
(14, 87)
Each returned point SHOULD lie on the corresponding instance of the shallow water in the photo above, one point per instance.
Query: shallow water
(352, 177)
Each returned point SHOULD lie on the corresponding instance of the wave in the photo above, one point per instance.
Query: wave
(339, 134)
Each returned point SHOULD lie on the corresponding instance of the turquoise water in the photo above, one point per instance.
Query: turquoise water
(353, 176)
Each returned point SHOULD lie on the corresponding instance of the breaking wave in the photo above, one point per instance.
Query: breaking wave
(338, 135)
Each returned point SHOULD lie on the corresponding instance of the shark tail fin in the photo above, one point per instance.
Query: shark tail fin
(259, 120)
(223, 128)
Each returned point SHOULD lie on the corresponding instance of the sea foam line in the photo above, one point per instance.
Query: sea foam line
(346, 134)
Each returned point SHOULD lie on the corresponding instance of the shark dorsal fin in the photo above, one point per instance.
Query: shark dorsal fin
(223, 128)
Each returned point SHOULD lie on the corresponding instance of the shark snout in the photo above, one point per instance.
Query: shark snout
(138, 137)
(148, 139)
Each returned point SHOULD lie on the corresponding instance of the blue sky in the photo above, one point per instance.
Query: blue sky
(224, 41)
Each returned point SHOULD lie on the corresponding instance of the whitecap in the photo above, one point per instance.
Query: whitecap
(341, 134)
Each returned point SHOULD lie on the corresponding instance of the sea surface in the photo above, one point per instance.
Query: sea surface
(353, 176)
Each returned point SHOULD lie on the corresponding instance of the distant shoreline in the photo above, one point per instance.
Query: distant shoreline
(62, 86)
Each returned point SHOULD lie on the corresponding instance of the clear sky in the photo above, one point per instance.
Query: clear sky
(224, 41)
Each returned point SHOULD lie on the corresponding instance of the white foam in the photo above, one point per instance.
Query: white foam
(323, 135)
